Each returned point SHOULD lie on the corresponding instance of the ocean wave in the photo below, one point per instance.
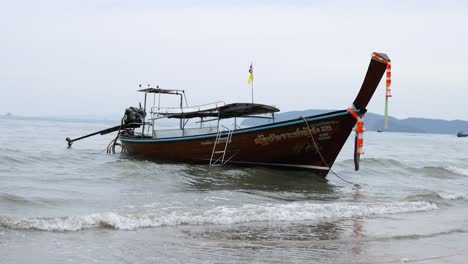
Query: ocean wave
(420, 236)
(220, 215)
(11, 198)
(452, 195)
(12, 160)
(27, 159)
(440, 171)
(457, 170)
(438, 196)
(375, 162)
(10, 150)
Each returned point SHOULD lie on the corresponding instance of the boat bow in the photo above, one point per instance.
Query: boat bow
(377, 67)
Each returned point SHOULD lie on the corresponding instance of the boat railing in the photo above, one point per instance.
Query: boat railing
(224, 128)
(178, 110)
(169, 133)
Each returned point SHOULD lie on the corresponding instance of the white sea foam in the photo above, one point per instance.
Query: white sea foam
(457, 170)
(217, 215)
(452, 195)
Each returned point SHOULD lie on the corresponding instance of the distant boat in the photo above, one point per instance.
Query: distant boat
(461, 134)
(380, 131)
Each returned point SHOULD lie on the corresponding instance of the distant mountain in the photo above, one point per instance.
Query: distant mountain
(105, 120)
(375, 122)
(91, 119)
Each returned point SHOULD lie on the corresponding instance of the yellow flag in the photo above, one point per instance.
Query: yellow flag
(251, 78)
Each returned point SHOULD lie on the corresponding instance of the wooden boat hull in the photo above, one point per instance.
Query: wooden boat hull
(288, 144)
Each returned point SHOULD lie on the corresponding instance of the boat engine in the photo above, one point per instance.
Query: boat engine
(134, 115)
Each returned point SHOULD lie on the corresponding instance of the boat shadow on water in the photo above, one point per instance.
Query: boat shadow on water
(258, 180)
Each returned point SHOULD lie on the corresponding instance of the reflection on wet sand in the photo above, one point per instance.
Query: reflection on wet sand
(281, 185)
(320, 236)
(270, 232)
(358, 226)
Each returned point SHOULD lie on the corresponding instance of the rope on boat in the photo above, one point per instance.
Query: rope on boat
(323, 159)
(113, 143)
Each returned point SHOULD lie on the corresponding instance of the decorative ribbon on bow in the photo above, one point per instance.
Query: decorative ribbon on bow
(388, 91)
(359, 138)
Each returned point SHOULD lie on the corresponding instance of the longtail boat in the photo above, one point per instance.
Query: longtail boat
(306, 143)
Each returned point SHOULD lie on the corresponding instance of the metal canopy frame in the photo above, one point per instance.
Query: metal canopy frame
(226, 111)
(157, 90)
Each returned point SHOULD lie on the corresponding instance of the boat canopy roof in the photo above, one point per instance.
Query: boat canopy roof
(159, 90)
(226, 111)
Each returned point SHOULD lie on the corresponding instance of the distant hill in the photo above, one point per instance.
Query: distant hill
(375, 122)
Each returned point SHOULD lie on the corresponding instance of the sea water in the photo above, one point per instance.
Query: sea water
(82, 205)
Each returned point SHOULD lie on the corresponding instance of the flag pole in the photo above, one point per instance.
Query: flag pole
(252, 92)
(386, 112)
(251, 79)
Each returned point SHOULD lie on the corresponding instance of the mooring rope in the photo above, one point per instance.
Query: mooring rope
(113, 143)
(323, 159)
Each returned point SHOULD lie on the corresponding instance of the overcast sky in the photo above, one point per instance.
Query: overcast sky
(87, 57)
